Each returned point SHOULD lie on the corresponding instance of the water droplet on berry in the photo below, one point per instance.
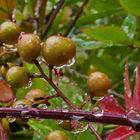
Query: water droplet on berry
(79, 127)
(11, 119)
(42, 106)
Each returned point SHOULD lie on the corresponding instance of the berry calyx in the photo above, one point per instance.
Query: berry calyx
(29, 46)
(9, 32)
(58, 50)
(56, 135)
(98, 83)
(17, 77)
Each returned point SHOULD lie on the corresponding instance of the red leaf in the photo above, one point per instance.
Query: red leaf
(6, 93)
(127, 90)
(2, 133)
(111, 105)
(136, 96)
(121, 133)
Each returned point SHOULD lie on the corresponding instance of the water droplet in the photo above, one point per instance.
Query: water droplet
(70, 63)
(132, 112)
(98, 98)
(22, 105)
(24, 112)
(77, 117)
(97, 111)
(29, 84)
(135, 124)
(79, 126)
(42, 106)
(11, 119)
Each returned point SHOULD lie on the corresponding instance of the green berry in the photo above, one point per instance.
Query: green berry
(17, 77)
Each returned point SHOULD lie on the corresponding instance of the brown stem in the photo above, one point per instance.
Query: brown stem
(77, 74)
(50, 71)
(59, 92)
(85, 102)
(94, 131)
(73, 21)
(52, 18)
(47, 97)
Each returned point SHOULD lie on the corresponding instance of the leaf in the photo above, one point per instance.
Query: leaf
(136, 94)
(39, 127)
(127, 90)
(132, 6)
(120, 133)
(2, 133)
(111, 105)
(129, 26)
(6, 93)
(6, 8)
(108, 34)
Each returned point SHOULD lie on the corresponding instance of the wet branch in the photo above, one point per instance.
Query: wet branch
(74, 20)
(73, 114)
(52, 17)
(58, 91)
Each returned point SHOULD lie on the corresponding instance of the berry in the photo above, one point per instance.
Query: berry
(9, 32)
(56, 135)
(66, 125)
(58, 50)
(23, 103)
(98, 84)
(29, 46)
(34, 94)
(17, 77)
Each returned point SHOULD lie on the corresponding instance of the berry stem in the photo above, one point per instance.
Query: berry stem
(59, 92)
(74, 20)
(93, 130)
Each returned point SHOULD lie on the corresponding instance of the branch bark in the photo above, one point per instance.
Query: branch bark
(73, 114)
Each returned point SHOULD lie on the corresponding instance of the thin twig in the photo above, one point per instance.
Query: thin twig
(76, 73)
(73, 21)
(50, 71)
(85, 102)
(59, 92)
(94, 131)
(110, 91)
(52, 18)
(47, 97)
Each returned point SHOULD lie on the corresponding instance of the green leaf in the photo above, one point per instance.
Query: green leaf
(129, 26)
(132, 6)
(108, 34)
(39, 127)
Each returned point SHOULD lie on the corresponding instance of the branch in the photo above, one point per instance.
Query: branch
(74, 114)
(59, 92)
(52, 18)
(73, 21)
(94, 131)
